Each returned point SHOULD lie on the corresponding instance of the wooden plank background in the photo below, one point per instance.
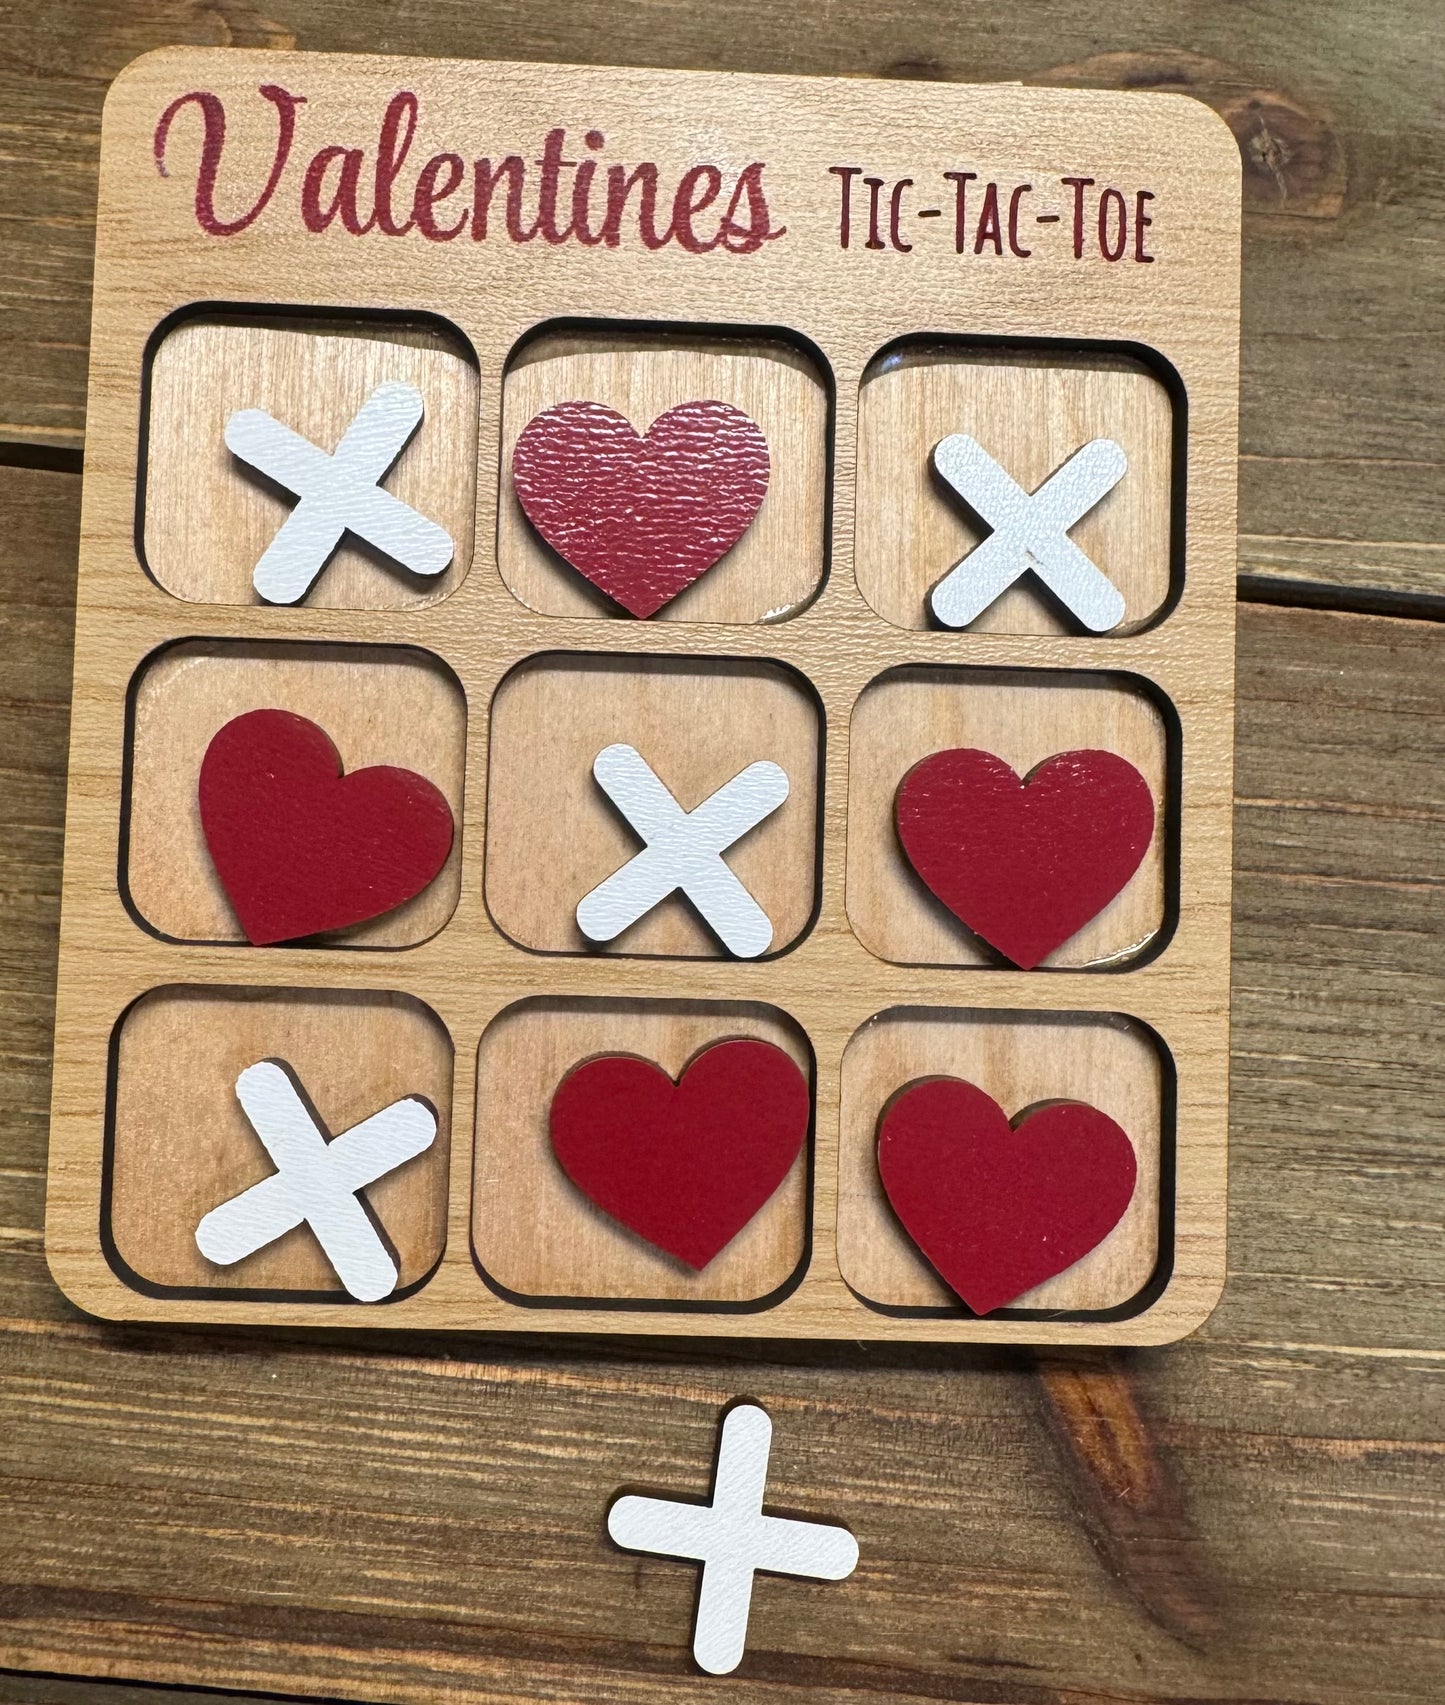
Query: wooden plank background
(1252, 1516)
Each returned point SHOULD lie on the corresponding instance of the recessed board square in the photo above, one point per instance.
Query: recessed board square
(180, 1144)
(1031, 409)
(378, 704)
(537, 1237)
(1021, 1060)
(208, 516)
(553, 836)
(776, 567)
(1023, 717)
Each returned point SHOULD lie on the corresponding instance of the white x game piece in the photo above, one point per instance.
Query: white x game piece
(1030, 531)
(316, 1181)
(683, 850)
(733, 1539)
(339, 493)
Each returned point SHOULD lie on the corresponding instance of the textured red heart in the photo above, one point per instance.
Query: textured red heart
(998, 1208)
(299, 847)
(1025, 863)
(685, 1165)
(641, 517)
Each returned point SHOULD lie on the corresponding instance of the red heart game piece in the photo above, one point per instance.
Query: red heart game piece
(641, 517)
(299, 847)
(1025, 863)
(685, 1165)
(998, 1208)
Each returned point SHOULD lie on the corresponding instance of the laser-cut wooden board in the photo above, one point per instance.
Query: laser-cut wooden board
(845, 262)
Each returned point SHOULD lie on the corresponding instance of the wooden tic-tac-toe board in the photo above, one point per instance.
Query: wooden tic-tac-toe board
(653, 706)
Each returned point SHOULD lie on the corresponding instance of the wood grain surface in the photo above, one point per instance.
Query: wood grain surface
(1030, 409)
(378, 704)
(1336, 109)
(777, 565)
(1250, 1516)
(207, 517)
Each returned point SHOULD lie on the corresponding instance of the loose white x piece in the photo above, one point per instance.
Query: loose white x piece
(733, 1539)
(1030, 531)
(316, 1181)
(339, 493)
(683, 850)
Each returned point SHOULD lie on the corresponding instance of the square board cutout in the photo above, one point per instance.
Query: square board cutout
(1020, 1060)
(179, 1138)
(553, 835)
(776, 567)
(538, 1238)
(379, 705)
(208, 516)
(1024, 718)
(1031, 409)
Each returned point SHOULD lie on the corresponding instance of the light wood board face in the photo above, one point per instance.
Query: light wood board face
(721, 271)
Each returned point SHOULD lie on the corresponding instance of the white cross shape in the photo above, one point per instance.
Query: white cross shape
(316, 1181)
(683, 850)
(339, 493)
(733, 1539)
(1029, 531)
